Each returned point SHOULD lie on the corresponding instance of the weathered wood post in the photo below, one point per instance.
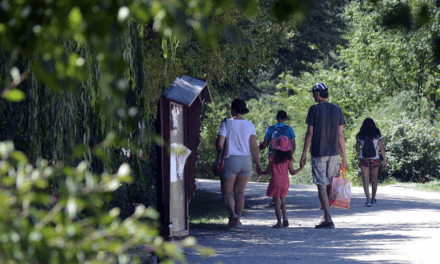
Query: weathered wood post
(180, 109)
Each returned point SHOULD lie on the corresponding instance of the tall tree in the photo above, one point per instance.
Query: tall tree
(317, 38)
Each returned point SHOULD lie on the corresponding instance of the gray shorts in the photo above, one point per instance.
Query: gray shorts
(324, 169)
(236, 164)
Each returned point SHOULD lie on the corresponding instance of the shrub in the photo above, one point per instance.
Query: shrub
(72, 226)
(414, 149)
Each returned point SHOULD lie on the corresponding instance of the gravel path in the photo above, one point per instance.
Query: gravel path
(404, 227)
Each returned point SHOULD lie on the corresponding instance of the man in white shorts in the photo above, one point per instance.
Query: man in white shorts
(325, 134)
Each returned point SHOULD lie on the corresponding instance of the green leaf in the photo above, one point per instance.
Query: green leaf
(189, 241)
(19, 156)
(152, 213)
(14, 95)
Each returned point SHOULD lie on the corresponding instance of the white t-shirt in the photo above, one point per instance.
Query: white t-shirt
(237, 136)
(375, 141)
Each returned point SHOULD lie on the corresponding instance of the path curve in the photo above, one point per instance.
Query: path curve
(404, 227)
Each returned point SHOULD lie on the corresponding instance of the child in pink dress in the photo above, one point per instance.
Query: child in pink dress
(279, 166)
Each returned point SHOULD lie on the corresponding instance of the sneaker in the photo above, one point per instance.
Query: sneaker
(285, 222)
(368, 203)
(326, 225)
(373, 203)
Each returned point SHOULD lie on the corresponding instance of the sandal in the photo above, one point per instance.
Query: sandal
(238, 225)
(278, 225)
(233, 221)
(285, 223)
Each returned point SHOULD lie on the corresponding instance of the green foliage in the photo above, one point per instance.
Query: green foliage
(389, 75)
(82, 66)
(74, 226)
(378, 62)
(317, 38)
(410, 126)
(40, 28)
(386, 72)
(88, 122)
(383, 61)
(433, 186)
(244, 45)
(213, 115)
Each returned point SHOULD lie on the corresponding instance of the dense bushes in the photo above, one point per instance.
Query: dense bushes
(73, 226)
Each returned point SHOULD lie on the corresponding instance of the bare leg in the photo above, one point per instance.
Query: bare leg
(283, 207)
(239, 187)
(374, 173)
(227, 186)
(278, 209)
(365, 179)
(322, 193)
(329, 189)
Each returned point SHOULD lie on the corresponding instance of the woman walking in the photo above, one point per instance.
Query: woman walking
(241, 143)
(368, 139)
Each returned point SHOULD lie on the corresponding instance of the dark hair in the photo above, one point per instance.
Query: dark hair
(323, 94)
(282, 115)
(281, 156)
(368, 130)
(239, 106)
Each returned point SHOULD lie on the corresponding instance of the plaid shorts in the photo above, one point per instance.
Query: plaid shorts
(324, 169)
(372, 163)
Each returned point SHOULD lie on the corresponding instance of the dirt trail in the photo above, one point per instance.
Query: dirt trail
(402, 228)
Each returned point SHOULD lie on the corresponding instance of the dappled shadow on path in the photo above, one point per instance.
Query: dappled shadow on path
(301, 245)
(402, 225)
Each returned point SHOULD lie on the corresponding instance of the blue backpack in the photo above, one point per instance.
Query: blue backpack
(280, 131)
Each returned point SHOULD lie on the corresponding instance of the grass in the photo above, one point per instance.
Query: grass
(383, 181)
(207, 211)
(388, 181)
(431, 186)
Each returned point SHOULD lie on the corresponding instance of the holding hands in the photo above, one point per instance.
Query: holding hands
(303, 160)
(258, 169)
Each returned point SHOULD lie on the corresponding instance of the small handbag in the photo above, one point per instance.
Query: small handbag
(217, 166)
(341, 191)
